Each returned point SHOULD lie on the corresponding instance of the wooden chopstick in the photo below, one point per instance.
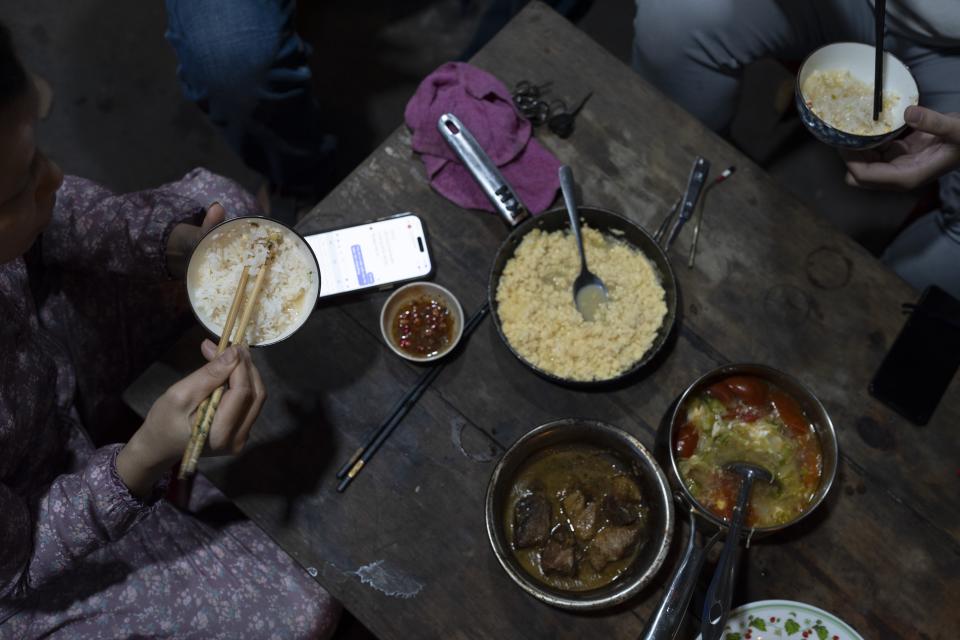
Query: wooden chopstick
(879, 18)
(208, 408)
(221, 347)
(362, 456)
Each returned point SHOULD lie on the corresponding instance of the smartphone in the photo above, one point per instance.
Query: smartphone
(372, 255)
(923, 359)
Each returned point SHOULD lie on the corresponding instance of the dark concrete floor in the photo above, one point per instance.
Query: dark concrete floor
(118, 116)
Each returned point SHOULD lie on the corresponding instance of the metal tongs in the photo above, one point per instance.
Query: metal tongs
(477, 161)
(683, 208)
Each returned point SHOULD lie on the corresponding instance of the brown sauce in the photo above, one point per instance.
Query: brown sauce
(423, 326)
(576, 517)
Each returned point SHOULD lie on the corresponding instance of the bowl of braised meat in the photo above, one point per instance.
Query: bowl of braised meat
(579, 514)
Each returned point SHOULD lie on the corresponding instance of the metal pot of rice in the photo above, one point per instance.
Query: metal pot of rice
(531, 295)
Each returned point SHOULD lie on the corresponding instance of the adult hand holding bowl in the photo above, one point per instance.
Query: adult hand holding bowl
(928, 152)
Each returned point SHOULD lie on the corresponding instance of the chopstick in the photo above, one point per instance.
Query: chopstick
(375, 440)
(208, 408)
(703, 200)
(221, 347)
(879, 18)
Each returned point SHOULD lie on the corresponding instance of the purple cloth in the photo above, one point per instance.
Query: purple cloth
(483, 104)
(81, 556)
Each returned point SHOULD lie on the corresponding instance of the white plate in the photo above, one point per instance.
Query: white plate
(785, 620)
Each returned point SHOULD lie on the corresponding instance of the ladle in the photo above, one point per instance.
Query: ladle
(716, 604)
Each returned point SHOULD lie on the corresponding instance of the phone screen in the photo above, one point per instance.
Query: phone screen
(371, 254)
(923, 359)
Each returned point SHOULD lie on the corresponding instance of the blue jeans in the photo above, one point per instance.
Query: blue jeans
(243, 63)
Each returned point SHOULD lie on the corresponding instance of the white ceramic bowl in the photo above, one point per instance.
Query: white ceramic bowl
(211, 237)
(784, 619)
(414, 290)
(858, 59)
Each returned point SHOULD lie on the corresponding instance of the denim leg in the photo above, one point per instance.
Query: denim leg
(243, 63)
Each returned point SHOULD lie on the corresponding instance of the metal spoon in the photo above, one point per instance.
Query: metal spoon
(716, 604)
(589, 292)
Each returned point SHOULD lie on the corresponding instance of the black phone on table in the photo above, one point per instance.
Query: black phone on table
(374, 255)
(923, 359)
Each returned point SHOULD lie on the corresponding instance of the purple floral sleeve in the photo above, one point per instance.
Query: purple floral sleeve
(94, 229)
(78, 513)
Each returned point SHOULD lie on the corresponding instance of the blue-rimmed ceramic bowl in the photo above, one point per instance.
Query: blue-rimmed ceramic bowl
(858, 59)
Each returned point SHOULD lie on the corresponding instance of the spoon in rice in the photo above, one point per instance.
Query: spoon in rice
(589, 292)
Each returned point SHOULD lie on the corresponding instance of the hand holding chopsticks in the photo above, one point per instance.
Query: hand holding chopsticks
(208, 408)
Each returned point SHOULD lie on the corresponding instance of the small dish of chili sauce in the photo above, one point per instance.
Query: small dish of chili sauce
(421, 321)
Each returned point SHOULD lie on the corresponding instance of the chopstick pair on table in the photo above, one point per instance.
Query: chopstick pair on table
(362, 455)
(685, 206)
(208, 408)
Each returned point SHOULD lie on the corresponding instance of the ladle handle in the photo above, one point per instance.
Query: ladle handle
(569, 199)
(665, 622)
(716, 604)
(476, 160)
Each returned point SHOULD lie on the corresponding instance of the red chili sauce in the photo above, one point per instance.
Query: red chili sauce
(423, 326)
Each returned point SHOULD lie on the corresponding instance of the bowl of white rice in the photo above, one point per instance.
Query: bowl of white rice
(834, 96)
(290, 287)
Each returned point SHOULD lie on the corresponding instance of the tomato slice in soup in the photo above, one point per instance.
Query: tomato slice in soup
(790, 412)
(686, 440)
(721, 392)
(749, 390)
(810, 463)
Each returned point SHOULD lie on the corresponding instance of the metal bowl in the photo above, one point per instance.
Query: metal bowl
(211, 236)
(655, 488)
(805, 398)
(606, 222)
(858, 58)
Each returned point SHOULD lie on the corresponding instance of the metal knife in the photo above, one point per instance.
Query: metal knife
(698, 176)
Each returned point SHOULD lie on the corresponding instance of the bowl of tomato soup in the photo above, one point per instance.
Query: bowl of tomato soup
(757, 414)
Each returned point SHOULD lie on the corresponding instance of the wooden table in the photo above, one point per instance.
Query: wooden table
(405, 548)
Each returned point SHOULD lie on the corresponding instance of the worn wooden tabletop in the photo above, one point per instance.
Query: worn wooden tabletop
(405, 547)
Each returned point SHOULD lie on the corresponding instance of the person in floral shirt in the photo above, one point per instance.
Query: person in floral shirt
(88, 294)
